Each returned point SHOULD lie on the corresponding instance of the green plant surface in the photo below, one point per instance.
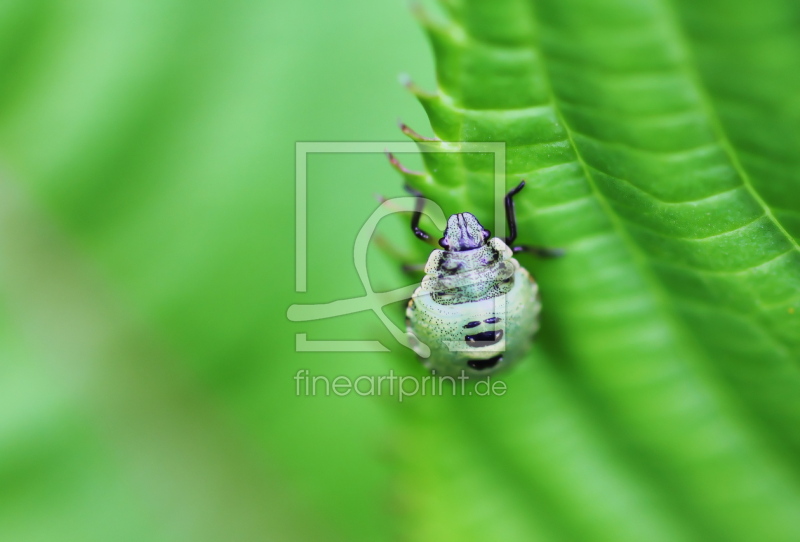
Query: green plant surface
(671, 323)
(147, 264)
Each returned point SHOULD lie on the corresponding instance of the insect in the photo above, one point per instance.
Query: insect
(476, 309)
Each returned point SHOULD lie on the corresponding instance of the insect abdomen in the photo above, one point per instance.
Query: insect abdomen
(500, 296)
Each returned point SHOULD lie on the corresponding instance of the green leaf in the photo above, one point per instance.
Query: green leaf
(670, 346)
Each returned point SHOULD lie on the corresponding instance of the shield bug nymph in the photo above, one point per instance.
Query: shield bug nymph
(477, 308)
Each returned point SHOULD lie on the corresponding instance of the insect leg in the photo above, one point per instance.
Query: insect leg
(412, 268)
(415, 217)
(511, 215)
(542, 252)
(511, 218)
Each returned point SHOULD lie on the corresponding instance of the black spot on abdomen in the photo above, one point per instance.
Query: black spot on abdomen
(484, 338)
(483, 364)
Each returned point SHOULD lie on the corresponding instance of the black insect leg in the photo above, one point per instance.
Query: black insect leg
(511, 215)
(511, 219)
(415, 217)
(542, 252)
(413, 268)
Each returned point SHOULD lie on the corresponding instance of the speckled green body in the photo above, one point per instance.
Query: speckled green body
(460, 292)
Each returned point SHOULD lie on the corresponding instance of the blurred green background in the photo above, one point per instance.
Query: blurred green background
(147, 162)
(148, 262)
